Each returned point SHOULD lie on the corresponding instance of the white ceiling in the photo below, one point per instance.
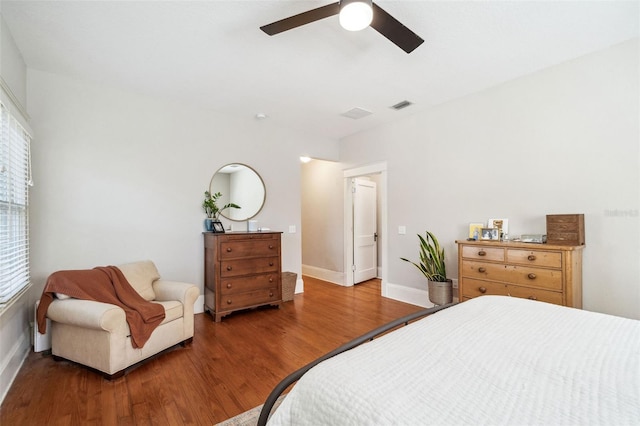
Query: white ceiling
(212, 54)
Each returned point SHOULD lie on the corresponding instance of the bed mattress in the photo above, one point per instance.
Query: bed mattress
(491, 360)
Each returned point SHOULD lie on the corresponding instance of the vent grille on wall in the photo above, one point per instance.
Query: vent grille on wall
(401, 105)
(356, 113)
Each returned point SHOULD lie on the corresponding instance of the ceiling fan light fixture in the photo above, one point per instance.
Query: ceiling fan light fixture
(356, 15)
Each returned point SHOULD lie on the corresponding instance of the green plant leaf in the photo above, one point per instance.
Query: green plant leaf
(431, 256)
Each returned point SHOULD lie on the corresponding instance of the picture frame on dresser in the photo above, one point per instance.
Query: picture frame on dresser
(475, 227)
(501, 223)
(217, 227)
(490, 234)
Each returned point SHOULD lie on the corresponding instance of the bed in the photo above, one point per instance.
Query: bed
(489, 360)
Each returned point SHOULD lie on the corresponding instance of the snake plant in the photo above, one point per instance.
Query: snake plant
(431, 259)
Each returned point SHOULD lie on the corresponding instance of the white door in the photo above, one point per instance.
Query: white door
(365, 251)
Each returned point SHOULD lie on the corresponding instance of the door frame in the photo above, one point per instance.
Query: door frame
(371, 169)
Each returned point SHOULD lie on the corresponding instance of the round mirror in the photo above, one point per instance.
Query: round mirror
(241, 185)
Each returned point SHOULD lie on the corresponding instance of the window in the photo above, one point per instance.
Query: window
(15, 180)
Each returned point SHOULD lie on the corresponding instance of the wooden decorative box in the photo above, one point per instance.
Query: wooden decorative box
(565, 229)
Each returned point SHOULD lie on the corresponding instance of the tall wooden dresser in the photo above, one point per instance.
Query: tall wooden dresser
(241, 270)
(545, 272)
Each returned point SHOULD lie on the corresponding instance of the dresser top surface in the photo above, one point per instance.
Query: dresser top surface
(242, 233)
(519, 244)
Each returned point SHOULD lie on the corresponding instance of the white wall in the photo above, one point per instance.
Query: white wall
(12, 67)
(120, 177)
(562, 140)
(322, 223)
(14, 319)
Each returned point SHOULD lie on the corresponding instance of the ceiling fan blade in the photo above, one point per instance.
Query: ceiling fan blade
(301, 19)
(392, 29)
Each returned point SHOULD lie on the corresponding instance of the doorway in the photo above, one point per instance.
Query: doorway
(378, 173)
(365, 229)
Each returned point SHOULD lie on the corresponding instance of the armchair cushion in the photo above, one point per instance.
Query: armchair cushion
(172, 290)
(172, 310)
(89, 314)
(141, 276)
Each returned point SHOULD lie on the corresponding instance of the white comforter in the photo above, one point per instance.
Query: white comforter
(491, 360)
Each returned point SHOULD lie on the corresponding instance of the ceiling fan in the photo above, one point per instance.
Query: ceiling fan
(355, 15)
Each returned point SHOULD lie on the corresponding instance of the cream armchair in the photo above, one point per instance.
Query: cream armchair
(97, 335)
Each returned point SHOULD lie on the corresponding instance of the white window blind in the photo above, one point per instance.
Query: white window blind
(15, 180)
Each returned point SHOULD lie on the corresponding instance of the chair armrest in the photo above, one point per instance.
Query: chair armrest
(185, 293)
(88, 314)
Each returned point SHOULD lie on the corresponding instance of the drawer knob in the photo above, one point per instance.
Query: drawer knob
(229, 268)
(270, 279)
(531, 276)
(270, 263)
(482, 269)
(228, 249)
(482, 253)
(532, 298)
(531, 257)
(270, 294)
(228, 285)
(270, 246)
(228, 301)
(482, 290)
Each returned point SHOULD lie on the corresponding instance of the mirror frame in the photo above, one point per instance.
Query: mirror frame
(264, 190)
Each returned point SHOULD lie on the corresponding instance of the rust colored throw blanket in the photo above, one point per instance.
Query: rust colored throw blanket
(104, 284)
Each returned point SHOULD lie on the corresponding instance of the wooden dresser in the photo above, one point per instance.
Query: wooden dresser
(550, 273)
(241, 270)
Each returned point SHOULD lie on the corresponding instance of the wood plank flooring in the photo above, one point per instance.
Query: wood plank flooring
(231, 366)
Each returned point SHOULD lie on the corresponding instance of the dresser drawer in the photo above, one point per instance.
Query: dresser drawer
(483, 253)
(234, 268)
(249, 248)
(550, 279)
(552, 259)
(474, 288)
(483, 270)
(535, 294)
(535, 277)
(250, 283)
(248, 299)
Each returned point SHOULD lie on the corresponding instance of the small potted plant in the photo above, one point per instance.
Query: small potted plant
(433, 268)
(212, 210)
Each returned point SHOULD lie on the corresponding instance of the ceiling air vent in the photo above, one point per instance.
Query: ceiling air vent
(401, 105)
(356, 113)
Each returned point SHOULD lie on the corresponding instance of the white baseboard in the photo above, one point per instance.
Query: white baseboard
(41, 342)
(324, 274)
(198, 307)
(12, 361)
(414, 296)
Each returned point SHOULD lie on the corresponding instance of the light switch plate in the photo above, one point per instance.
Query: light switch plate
(292, 229)
(402, 230)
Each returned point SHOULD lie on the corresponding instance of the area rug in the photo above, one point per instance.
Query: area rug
(250, 417)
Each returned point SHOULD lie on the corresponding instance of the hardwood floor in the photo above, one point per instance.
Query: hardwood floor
(231, 366)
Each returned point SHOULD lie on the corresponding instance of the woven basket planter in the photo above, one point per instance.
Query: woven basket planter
(288, 285)
(441, 293)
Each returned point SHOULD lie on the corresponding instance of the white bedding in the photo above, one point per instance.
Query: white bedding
(491, 360)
